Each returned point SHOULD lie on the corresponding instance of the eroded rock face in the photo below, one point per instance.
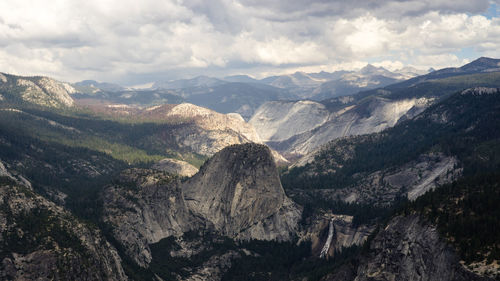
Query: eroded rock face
(143, 207)
(280, 120)
(41, 241)
(408, 249)
(345, 233)
(37, 90)
(384, 187)
(214, 268)
(297, 128)
(174, 166)
(199, 129)
(237, 193)
(219, 130)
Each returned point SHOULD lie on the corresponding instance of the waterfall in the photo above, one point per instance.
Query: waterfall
(326, 247)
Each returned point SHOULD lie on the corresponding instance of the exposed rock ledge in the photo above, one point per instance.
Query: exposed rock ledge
(407, 249)
(42, 241)
(174, 166)
(236, 193)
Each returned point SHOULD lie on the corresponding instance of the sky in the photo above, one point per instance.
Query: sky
(132, 42)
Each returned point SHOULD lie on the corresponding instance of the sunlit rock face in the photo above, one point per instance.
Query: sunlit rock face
(407, 249)
(42, 91)
(237, 193)
(174, 166)
(280, 120)
(297, 128)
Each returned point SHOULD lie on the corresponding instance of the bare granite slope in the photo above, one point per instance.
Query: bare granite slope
(237, 193)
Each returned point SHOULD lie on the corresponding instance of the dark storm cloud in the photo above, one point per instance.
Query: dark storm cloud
(353, 8)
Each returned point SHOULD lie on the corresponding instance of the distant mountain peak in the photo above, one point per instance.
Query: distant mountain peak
(300, 73)
(241, 78)
(203, 77)
(370, 66)
(38, 90)
(83, 86)
(370, 69)
(198, 81)
(482, 64)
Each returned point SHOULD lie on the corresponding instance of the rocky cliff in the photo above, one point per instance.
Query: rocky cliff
(237, 193)
(190, 128)
(342, 232)
(36, 90)
(407, 249)
(280, 120)
(41, 241)
(301, 127)
(144, 206)
(365, 112)
(383, 187)
(177, 167)
(213, 131)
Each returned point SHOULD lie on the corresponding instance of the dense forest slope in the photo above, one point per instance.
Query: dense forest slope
(460, 133)
(88, 192)
(41, 241)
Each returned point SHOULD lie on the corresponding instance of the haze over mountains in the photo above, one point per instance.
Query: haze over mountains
(367, 175)
(250, 140)
(243, 94)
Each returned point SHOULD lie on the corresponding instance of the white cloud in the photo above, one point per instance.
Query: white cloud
(439, 61)
(128, 41)
(369, 36)
(390, 65)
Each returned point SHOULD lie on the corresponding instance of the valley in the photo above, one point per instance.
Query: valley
(348, 175)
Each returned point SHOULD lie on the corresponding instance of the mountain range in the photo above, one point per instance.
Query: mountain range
(296, 128)
(243, 94)
(395, 181)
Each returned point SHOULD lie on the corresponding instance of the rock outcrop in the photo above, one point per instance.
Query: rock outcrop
(344, 233)
(237, 193)
(408, 249)
(280, 120)
(300, 127)
(212, 131)
(191, 128)
(37, 90)
(41, 241)
(144, 206)
(174, 166)
(382, 187)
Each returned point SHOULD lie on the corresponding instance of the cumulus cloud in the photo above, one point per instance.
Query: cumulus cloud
(134, 42)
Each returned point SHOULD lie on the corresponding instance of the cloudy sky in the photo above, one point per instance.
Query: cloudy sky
(132, 42)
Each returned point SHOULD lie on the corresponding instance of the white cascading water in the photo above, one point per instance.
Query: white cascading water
(326, 247)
